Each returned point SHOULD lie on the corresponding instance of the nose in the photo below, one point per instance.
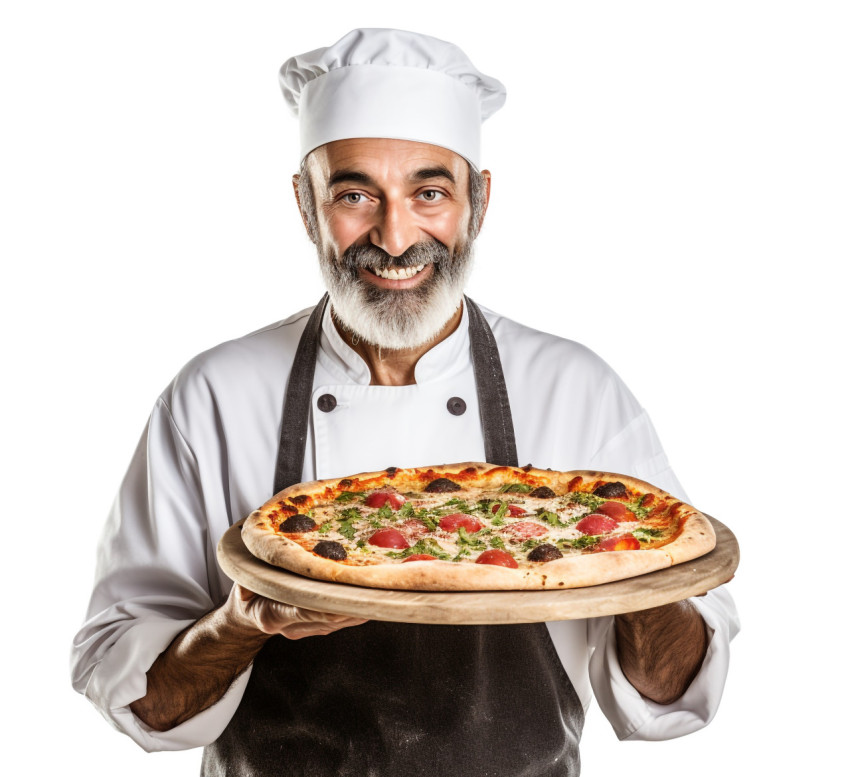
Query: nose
(395, 230)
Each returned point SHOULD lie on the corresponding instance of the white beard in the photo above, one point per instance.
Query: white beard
(396, 319)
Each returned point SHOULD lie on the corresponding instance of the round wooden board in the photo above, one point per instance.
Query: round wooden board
(482, 607)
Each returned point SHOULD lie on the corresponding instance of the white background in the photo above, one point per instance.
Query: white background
(670, 188)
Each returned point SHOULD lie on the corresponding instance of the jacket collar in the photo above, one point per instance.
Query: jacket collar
(445, 359)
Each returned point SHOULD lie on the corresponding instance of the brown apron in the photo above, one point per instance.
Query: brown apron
(404, 699)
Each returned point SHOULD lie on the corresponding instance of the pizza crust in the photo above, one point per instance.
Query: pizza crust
(695, 536)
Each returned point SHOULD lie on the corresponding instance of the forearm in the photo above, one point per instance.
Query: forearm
(661, 649)
(196, 670)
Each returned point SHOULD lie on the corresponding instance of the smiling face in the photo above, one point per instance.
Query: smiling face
(391, 221)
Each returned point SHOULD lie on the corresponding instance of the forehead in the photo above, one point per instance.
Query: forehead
(385, 160)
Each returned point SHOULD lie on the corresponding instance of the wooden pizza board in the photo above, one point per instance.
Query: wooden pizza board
(482, 607)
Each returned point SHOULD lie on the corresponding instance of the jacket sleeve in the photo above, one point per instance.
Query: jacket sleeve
(635, 449)
(153, 580)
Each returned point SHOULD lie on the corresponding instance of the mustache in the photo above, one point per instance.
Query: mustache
(371, 257)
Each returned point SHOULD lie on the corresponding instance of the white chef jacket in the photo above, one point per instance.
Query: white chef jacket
(207, 459)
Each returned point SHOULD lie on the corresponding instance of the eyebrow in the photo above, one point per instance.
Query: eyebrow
(356, 176)
(426, 173)
(352, 176)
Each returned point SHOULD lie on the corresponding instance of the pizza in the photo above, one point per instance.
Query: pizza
(476, 527)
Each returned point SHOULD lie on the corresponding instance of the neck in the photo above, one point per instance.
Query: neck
(395, 367)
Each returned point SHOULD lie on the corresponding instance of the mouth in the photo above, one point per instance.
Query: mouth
(398, 273)
(397, 277)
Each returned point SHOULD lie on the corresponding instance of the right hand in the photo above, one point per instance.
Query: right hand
(271, 617)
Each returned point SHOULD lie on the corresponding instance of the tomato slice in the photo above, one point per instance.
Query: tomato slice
(381, 498)
(513, 510)
(420, 557)
(455, 521)
(499, 558)
(616, 510)
(413, 529)
(596, 523)
(388, 538)
(623, 542)
(525, 530)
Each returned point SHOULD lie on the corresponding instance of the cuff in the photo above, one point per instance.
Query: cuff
(120, 678)
(634, 717)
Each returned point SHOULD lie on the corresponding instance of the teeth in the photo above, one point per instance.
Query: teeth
(399, 273)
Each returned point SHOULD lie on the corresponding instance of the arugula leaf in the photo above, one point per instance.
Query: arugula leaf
(385, 513)
(531, 543)
(515, 488)
(464, 551)
(640, 512)
(582, 542)
(550, 517)
(325, 528)
(497, 542)
(464, 538)
(346, 529)
(347, 496)
(459, 505)
(647, 535)
(351, 514)
(498, 518)
(406, 510)
(426, 545)
(429, 522)
(585, 499)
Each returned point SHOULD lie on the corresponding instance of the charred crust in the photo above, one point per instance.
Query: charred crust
(300, 499)
(527, 468)
(615, 490)
(442, 486)
(330, 549)
(391, 471)
(545, 552)
(542, 492)
(345, 483)
(297, 523)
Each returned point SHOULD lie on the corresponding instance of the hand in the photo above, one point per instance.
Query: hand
(271, 617)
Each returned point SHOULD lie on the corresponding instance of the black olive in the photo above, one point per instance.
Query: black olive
(542, 492)
(297, 523)
(545, 552)
(330, 549)
(442, 486)
(611, 490)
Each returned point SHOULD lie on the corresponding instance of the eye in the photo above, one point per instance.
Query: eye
(431, 195)
(353, 198)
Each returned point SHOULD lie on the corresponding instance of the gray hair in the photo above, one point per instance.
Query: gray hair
(477, 200)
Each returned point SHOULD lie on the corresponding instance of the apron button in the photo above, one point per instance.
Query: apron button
(456, 406)
(326, 403)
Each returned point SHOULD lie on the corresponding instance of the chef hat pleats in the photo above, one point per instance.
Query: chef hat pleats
(377, 83)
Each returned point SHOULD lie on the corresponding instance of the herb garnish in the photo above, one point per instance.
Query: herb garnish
(514, 488)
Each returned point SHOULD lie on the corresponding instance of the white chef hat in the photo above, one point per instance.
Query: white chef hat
(377, 83)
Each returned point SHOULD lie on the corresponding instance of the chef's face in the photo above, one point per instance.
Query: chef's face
(394, 224)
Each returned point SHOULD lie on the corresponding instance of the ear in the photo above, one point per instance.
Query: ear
(487, 182)
(310, 230)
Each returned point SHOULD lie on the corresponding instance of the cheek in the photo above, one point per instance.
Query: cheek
(341, 230)
(449, 227)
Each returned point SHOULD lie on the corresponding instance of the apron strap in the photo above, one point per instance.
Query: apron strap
(493, 404)
(296, 403)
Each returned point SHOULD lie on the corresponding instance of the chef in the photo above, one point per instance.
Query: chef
(394, 367)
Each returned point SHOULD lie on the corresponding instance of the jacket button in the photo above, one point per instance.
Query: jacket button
(326, 403)
(456, 406)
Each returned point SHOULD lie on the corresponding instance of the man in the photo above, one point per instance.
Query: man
(392, 194)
